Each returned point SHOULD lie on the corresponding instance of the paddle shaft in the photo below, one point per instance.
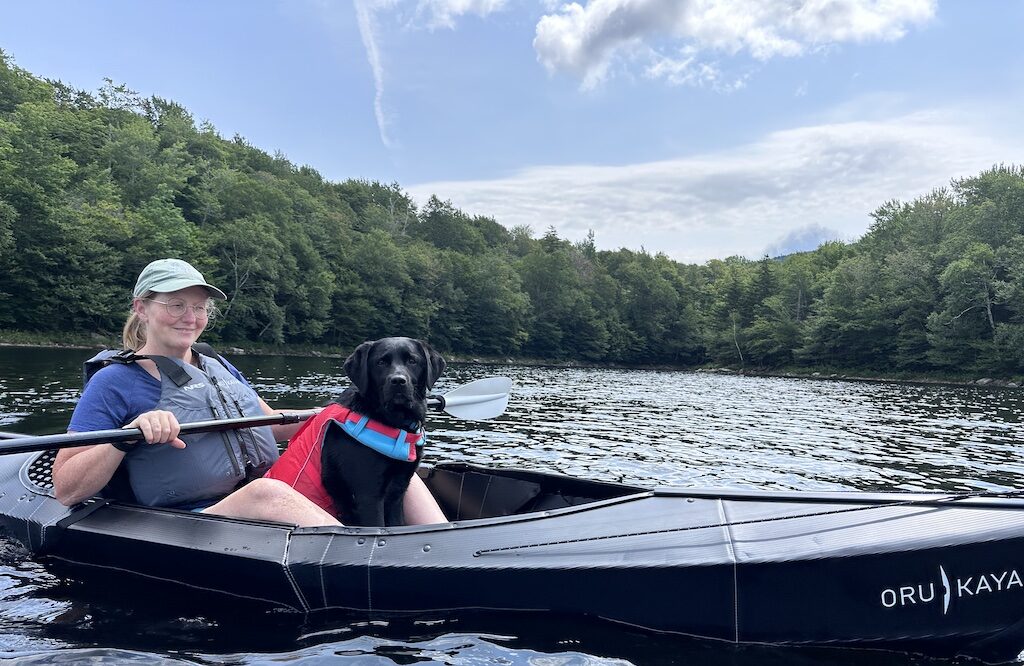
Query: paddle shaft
(480, 399)
(441, 402)
(66, 440)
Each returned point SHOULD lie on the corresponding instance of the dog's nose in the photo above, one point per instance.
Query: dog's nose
(398, 380)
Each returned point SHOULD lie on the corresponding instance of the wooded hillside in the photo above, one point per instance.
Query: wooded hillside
(94, 186)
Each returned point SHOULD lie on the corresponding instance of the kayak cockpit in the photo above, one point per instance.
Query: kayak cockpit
(467, 492)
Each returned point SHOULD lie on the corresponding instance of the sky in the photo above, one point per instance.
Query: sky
(697, 128)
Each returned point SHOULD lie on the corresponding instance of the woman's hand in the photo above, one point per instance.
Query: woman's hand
(159, 427)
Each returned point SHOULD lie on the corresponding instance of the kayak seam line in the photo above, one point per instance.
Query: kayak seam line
(730, 544)
(478, 607)
(369, 586)
(28, 520)
(458, 507)
(323, 585)
(487, 489)
(43, 528)
(171, 580)
(753, 521)
(288, 574)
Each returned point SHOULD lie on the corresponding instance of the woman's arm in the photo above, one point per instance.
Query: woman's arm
(282, 432)
(81, 472)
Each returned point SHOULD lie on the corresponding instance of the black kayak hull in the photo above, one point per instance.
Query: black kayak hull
(911, 572)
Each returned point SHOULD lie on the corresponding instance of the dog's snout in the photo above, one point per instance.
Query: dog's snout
(398, 380)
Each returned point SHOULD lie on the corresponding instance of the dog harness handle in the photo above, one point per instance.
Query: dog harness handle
(385, 440)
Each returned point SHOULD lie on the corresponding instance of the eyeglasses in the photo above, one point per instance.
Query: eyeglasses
(177, 308)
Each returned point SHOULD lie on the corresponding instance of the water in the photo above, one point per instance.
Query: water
(638, 427)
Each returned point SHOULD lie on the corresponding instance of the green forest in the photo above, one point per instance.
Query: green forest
(93, 186)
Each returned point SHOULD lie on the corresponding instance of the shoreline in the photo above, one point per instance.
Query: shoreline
(854, 376)
(819, 373)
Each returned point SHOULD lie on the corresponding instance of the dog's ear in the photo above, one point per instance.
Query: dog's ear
(435, 363)
(357, 367)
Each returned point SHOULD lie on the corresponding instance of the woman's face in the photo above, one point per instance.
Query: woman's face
(172, 325)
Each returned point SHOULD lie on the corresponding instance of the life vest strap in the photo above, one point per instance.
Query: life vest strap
(385, 440)
(172, 370)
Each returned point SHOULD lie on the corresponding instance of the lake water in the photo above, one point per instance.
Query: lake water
(639, 427)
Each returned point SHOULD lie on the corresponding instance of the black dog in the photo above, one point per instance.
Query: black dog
(391, 378)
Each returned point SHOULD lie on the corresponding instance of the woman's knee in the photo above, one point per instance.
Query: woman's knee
(268, 490)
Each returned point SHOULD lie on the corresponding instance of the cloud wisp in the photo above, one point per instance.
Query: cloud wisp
(366, 11)
(741, 201)
(585, 40)
(431, 13)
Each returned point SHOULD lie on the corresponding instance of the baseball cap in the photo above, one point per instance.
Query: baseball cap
(166, 275)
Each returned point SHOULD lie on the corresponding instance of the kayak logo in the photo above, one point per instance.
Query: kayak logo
(193, 387)
(961, 587)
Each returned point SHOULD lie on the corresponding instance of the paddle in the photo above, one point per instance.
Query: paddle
(481, 399)
(65, 440)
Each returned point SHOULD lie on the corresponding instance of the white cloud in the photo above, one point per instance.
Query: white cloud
(686, 69)
(743, 200)
(584, 40)
(803, 239)
(443, 13)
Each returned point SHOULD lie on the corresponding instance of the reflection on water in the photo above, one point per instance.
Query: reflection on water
(639, 427)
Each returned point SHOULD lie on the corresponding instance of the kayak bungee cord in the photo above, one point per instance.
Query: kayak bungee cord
(949, 499)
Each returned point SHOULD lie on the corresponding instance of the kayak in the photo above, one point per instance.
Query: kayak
(923, 572)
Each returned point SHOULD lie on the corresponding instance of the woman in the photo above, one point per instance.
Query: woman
(171, 307)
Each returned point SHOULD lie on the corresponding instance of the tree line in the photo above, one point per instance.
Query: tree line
(95, 185)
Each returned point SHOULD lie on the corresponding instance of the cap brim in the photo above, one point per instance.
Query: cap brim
(185, 283)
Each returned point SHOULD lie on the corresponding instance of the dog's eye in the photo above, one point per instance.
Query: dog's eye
(413, 360)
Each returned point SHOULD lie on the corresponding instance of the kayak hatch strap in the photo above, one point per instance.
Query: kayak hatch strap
(752, 521)
(79, 511)
(86, 509)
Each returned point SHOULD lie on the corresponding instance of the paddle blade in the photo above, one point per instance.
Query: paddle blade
(480, 400)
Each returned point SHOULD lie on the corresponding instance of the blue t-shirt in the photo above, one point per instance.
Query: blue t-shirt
(117, 394)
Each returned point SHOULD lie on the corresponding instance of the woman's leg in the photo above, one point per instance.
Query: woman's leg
(420, 506)
(270, 499)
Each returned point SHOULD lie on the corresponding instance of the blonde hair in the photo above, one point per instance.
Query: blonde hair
(133, 335)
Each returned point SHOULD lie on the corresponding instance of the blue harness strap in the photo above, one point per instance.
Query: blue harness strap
(397, 448)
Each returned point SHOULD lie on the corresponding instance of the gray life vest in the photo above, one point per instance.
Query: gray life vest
(212, 464)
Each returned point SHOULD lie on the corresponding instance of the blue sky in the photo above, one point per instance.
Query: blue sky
(696, 128)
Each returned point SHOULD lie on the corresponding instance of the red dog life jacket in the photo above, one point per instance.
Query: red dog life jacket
(299, 465)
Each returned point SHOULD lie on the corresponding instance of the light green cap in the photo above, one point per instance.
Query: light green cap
(166, 275)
